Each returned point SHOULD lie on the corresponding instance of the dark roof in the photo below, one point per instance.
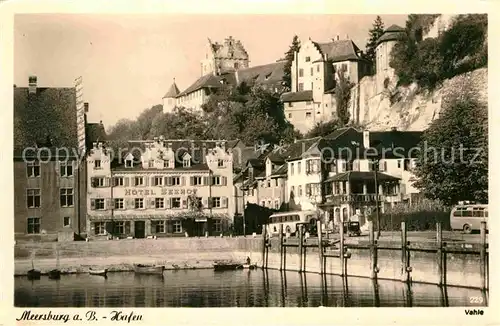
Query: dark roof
(45, 118)
(392, 33)
(280, 171)
(340, 50)
(403, 143)
(173, 91)
(361, 176)
(265, 74)
(338, 132)
(94, 132)
(295, 150)
(269, 74)
(297, 96)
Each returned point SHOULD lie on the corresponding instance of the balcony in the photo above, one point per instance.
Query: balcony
(354, 198)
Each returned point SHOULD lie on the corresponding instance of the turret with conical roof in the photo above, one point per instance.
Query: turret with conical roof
(169, 99)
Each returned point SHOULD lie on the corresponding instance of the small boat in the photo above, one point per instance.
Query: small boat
(249, 266)
(226, 266)
(148, 269)
(55, 274)
(34, 274)
(98, 272)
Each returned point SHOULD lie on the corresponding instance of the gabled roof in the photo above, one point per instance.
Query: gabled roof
(208, 81)
(295, 150)
(49, 114)
(340, 50)
(401, 141)
(172, 92)
(297, 96)
(392, 33)
(264, 74)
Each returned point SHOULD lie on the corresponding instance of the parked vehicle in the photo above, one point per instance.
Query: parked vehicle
(290, 221)
(468, 217)
(352, 229)
(148, 269)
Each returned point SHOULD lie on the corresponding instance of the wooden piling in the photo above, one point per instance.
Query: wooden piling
(373, 251)
(405, 255)
(341, 249)
(301, 242)
(482, 265)
(264, 235)
(320, 247)
(281, 246)
(439, 254)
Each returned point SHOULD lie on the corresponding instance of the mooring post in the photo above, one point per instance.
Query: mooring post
(439, 255)
(301, 241)
(281, 246)
(483, 255)
(341, 248)
(320, 247)
(264, 235)
(373, 250)
(405, 259)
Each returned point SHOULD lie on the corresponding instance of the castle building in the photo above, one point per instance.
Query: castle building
(314, 73)
(160, 188)
(385, 44)
(225, 65)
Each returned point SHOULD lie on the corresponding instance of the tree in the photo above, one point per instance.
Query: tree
(289, 55)
(343, 96)
(375, 33)
(453, 161)
(323, 129)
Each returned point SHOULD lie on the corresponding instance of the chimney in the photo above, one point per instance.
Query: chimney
(338, 37)
(32, 85)
(86, 107)
(223, 145)
(394, 128)
(366, 139)
(236, 75)
(347, 36)
(169, 146)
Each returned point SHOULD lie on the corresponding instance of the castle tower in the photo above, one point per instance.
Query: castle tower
(169, 100)
(224, 57)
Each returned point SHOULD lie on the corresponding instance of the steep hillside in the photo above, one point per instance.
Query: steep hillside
(411, 111)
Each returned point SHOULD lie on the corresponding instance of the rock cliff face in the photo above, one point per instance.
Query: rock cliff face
(402, 107)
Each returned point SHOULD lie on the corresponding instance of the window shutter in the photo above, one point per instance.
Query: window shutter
(58, 168)
(191, 181)
(107, 182)
(167, 203)
(224, 181)
(92, 182)
(153, 181)
(152, 203)
(127, 227)
(109, 227)
(126, 181)
(169, 181)
(92, 204)
(108, 203)
(146, 181)
(153, 227)
(183, 181)
(170, 227)
(210, 202)
(224, 202)
(206, 181)
(184, 203)
(205, 203)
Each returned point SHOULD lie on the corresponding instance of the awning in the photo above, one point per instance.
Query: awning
(200, 219)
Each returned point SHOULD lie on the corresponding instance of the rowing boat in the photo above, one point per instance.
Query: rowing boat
(34, 274)
(98, 272)
(148, 269)
(55, 274)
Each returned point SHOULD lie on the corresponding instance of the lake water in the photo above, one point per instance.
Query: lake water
(241, 288)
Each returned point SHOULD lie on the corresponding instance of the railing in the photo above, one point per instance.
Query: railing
(348, 198)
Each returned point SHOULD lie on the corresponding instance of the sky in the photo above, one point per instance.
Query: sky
(128, 62)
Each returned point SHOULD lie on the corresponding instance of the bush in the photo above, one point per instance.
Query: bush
(415, 221)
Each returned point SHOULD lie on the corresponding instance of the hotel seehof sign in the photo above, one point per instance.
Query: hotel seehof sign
(134, 192)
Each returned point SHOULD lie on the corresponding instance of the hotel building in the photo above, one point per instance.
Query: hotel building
(162, 188)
